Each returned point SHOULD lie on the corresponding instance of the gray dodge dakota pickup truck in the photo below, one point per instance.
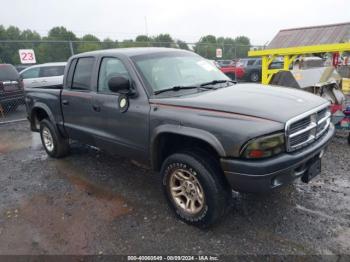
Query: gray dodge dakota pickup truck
(176, 112)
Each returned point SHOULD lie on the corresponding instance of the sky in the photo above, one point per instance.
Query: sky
(187, 20)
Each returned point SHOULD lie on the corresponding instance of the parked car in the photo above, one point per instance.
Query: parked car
(11, 88)
(249, 69)
(225, 63)
(175, 111)
(44, 75)
(309, 62)
(227, 67)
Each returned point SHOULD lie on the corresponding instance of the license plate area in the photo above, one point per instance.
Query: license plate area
(9, 88)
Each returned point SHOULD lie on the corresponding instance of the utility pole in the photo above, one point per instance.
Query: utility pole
(146, 26)
(71, 47)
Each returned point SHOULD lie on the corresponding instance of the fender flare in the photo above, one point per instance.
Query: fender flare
(39, 105)
(191, 132)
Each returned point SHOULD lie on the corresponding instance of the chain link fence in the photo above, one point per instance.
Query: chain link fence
(12, 110)
(12, 107)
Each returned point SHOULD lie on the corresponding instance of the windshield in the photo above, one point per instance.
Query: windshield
(166, 70)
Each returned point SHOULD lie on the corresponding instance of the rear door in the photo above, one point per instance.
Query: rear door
(76, 100)
(51, 76)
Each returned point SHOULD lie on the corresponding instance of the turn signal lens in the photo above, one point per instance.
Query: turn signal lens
(264, 147)
(256, 154)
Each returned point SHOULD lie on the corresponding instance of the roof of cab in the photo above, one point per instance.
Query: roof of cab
(134, 51)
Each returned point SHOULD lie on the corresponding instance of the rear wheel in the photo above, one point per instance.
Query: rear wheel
(194, 188)
(254, 77)
(54, 144)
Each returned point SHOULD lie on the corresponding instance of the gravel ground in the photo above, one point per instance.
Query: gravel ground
(93, 203)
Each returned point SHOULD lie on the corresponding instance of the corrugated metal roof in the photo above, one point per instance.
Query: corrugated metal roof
(313, 35)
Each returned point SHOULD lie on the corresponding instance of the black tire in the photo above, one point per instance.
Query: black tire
(254, 77)
(60, 145)
(217, 193)
(349, 139)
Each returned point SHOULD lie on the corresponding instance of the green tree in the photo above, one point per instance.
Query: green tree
(231, 47)
(206, 46)
(56, 51)
(182, 45)
(228, 46)
(30, 35)
(142, 41)
(163, 40)
(127, 43)
(109, 44)
(243, 46)
(89, 43)
(2, 46)
(9, 52)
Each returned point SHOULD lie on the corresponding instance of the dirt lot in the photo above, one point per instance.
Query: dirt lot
(93, 203)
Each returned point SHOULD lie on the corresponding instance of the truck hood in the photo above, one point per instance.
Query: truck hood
(269, 102)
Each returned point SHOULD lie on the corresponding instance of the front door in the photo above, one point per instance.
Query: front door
(119, 129)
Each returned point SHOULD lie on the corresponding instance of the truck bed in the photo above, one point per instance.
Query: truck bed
(47, 97)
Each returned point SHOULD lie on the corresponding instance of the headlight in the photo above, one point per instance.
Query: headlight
(264, 147)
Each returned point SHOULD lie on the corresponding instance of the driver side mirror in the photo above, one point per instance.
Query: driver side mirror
(119, 84)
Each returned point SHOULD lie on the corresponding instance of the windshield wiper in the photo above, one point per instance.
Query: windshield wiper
(214, 82)
(177, 88)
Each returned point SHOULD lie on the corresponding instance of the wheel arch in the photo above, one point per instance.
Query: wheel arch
(39, 112)
(169, 138)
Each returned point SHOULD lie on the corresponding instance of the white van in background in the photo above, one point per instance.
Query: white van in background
(43, 75)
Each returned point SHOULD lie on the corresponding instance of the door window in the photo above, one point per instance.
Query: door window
(83, 73)
(110, 67)
(251, 62)
(31, 73)
(48, 71)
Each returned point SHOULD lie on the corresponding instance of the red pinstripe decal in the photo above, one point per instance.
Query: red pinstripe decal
(228, 114)
(77, 94)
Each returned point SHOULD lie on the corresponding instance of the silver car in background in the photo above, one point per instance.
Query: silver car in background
(43, 75)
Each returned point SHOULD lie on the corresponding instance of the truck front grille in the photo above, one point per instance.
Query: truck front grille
(306, 128)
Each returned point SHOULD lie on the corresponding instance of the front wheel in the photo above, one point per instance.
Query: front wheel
(55, 145)
(195, 189)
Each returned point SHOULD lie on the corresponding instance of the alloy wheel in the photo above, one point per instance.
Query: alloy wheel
(186, 191)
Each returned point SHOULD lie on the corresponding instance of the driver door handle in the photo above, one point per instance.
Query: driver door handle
(65, 102)
(96, 108)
